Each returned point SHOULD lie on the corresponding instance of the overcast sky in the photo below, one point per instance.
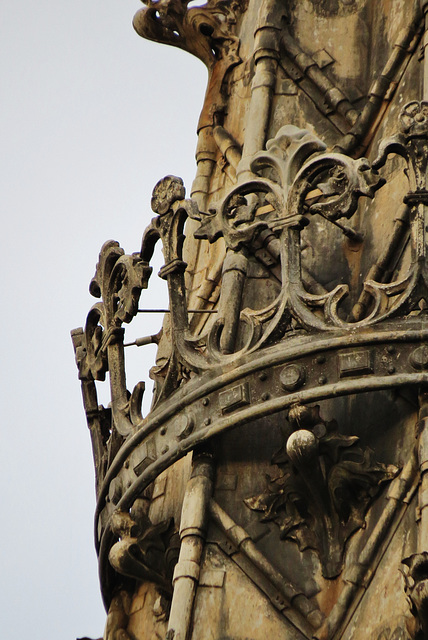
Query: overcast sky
(91, 117)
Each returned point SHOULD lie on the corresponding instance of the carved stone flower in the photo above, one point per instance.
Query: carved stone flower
(166, 192)
(414, 118)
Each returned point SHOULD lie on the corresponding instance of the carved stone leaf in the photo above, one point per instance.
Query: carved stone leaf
(95, 357)
(211, 228)
(270, 501)
(414, 118)
(286, 153)
(347, 180)
(354, 483)
(133, 275)
(333, 444)
(325, 487)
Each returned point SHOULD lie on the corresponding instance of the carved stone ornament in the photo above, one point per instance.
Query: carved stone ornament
(145, 552)
(304, 344)
(295, 170)
(324, 489)
(118, 281)
(416, 587)
(204, 31)
(293, 180)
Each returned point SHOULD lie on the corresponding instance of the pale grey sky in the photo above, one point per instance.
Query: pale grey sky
(91, 117)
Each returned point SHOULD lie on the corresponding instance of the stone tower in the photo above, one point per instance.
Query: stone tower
(278, 486)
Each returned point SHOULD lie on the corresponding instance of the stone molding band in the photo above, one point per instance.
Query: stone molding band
(309, 370)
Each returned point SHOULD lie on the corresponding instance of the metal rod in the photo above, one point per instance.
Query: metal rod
(350, 233)
(347, 231)
(142, 342)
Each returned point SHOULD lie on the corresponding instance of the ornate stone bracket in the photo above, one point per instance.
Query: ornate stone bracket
(324, 489)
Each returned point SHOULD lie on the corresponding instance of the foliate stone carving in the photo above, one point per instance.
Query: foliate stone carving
(326, 481)
(325, 486)
(412, 144)
(118, 281)
(293, 174)
(145, 552)
(166, 192)
(293, 180)
(279, 200)
(416, 587)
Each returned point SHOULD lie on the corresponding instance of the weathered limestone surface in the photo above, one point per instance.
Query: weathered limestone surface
(278, 487)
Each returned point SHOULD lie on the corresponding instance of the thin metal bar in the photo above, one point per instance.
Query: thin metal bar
(141, 342)
(347, 231)
(350, 233)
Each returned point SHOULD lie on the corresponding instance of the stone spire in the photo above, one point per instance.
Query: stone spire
(277, 488)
